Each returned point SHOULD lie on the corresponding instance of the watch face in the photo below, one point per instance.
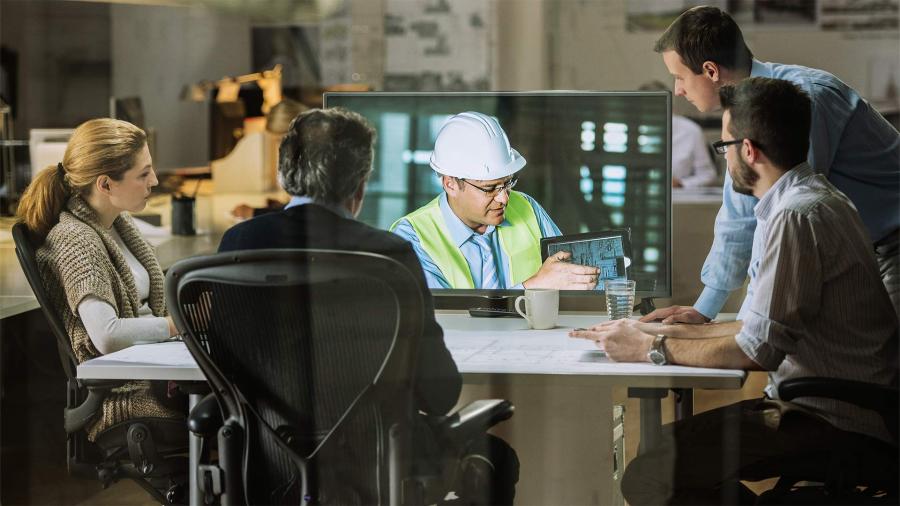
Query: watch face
(657, 357)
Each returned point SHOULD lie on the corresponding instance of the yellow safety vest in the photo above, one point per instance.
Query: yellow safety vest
(520, 240)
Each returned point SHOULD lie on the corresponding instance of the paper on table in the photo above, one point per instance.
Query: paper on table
(153, 234)
(520, 348)
(166, 353)
(548, 352)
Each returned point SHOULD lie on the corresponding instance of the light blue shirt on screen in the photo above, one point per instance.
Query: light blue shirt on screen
(464, 238)
(850, 143)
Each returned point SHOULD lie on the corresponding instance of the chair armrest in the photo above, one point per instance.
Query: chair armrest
(205, 418)
(75, 419)
(101, 384)
(880, 398)
(472, 420)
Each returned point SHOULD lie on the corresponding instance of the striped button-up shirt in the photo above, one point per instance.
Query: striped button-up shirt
(815, 305)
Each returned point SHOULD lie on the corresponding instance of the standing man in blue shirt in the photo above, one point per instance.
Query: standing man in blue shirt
(850, 143)
(478, 233)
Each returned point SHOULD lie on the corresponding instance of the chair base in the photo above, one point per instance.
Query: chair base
(788, 491)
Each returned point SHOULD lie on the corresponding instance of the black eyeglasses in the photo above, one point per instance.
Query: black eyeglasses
(495, 190)
(721, 147)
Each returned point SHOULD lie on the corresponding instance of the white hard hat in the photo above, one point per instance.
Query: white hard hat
(472, 145)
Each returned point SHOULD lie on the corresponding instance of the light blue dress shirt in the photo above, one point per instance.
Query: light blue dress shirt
(850, 143)
(463, 237)
(302, 200)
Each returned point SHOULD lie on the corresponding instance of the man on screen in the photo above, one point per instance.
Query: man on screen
(479, 233)
(324, 162)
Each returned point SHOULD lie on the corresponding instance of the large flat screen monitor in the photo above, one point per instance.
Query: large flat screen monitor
(596, 162)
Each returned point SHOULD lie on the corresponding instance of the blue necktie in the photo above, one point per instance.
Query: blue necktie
(489, 277)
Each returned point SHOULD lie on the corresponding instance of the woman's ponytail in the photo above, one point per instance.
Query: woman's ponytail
(44, 199)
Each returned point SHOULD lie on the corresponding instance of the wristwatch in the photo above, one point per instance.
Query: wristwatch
(657, 353)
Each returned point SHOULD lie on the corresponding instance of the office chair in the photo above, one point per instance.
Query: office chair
(310, 354)
(860, 475)
(148, 451)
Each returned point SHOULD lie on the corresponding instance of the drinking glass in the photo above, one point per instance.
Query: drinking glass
(619, 298)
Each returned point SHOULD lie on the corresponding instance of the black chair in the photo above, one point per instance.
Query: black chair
(310, 354)
(149, 451)
(862, 474)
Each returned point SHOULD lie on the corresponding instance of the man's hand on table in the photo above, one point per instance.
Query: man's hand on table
(676, 314)
(242, 212)
(622, 340)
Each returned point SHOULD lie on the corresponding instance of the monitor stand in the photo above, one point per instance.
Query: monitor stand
(646, 306)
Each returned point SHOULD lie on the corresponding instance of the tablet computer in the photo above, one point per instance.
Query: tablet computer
(608, 250)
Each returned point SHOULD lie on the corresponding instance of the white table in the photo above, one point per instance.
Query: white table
(162, 361)
(563, 392)
(561, 387)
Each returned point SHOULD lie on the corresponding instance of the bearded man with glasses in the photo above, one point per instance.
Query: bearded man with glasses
(479, 233)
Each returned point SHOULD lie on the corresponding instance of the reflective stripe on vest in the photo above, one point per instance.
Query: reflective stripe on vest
(520, 240)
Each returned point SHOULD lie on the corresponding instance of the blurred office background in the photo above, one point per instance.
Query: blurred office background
(63, 60)
(196, 73)
(172, 67)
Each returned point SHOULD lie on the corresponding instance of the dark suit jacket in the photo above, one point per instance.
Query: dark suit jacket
(312, 226)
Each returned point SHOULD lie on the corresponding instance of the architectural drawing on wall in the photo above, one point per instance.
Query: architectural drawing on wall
(311, 55)
(294, 47)
(860, 15)
(774, 12)
(656, 15)
(336, 48)
(437, 45)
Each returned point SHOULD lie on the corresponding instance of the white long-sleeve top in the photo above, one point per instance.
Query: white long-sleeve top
(110, 333)
(691, 162)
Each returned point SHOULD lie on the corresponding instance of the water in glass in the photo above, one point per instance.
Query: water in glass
(619, 298)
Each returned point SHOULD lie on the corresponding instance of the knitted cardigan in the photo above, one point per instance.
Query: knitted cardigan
(80, 258)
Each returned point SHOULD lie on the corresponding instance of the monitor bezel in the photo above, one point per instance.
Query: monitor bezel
(570, 300)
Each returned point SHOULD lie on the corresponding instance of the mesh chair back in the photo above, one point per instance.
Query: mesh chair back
(81, 456)
(313, 353)
(27, 244)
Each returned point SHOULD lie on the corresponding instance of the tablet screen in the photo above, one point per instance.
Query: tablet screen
(608, 253)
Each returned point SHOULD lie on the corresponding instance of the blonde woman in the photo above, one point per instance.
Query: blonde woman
(101, 275)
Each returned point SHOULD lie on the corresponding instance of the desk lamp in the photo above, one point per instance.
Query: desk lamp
(269, 82)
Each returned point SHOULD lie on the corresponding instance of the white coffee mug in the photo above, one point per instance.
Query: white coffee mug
(541, 307)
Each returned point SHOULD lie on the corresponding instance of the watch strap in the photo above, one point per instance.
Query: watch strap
(658, 349)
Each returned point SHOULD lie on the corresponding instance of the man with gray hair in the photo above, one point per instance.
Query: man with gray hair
(324, 162)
